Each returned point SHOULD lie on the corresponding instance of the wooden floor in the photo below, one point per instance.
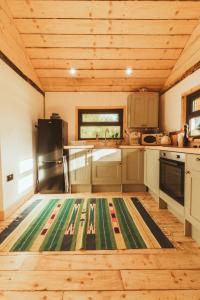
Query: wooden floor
(146, 274)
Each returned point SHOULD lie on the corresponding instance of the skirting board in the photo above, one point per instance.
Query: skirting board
(10, 210)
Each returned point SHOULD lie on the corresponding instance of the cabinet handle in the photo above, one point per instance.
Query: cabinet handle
(187, 172)
(197, 159)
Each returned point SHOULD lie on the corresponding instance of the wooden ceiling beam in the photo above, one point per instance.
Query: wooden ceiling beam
(81, 26)
(105, 41)
(105, 9)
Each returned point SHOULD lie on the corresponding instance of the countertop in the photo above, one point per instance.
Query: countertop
(165, 148)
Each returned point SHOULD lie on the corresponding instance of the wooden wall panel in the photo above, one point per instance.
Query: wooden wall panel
(11, 44)
(95, 26)
(89, 53)
(108, 9)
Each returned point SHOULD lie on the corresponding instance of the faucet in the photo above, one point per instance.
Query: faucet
(106, 131)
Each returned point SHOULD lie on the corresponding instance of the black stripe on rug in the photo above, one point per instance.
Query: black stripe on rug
(15, 223)
(154, 228)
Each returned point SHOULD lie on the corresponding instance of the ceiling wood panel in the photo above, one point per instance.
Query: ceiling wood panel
(118, 88)
(12, 46)
(106, 9)
(89, 53)
(94, 26)
(189, 57)
(101, 81)
(100, 64)
(104, 41)
(103, 73)
(102, 38)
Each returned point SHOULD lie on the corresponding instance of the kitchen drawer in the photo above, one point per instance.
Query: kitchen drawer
(193, 162)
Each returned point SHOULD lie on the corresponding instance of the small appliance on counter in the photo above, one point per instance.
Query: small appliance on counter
(165, 140)
(195, 143)
(180, 137)
(151, 139)
(134, 138)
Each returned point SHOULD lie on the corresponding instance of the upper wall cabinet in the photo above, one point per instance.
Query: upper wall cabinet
(143, 110)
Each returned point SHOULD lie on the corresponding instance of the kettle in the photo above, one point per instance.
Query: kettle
(165, 140)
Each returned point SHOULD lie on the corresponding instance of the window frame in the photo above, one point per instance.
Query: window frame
(119, 111)
(189, 113)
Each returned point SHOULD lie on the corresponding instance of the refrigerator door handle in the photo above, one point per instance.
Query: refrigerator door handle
(59, 162)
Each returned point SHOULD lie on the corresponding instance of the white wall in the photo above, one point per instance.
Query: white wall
(20, 107)
(65, 104)
(171, 102)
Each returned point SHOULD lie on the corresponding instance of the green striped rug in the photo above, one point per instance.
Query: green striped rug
(83, 224)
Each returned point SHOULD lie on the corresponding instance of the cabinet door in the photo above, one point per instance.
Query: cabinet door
(143, 110)
(132, 166)
(152, 109)
(137, 114)
(106, 173)
(80, 166)
(151, 170)
(192, 183)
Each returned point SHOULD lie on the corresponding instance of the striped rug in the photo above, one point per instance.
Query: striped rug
(83, 224)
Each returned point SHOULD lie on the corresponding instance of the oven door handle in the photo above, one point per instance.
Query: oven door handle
(171, 163)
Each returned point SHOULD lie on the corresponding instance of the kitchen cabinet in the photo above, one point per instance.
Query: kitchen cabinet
(132, 166)
(106, 166)
(80, 165)
(106, 173)
(192, 197)
(142, 110)
(151, 170)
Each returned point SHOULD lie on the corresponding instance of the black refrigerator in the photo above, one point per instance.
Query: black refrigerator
(51, 159)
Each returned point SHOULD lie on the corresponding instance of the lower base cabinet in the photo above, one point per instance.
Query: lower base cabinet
(132, 166)
(151, 170)
(192, 195)
(80, 165)
(106, 173)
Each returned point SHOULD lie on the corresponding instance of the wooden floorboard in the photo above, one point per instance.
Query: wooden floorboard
(161, 279)
(139, 274)
(60, 280)
(112, 262)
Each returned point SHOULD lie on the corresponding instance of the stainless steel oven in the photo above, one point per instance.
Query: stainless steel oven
(172, 175)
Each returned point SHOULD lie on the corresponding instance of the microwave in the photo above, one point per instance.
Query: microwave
(151, 138)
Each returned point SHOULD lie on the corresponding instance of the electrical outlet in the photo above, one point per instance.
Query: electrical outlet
(10, 177)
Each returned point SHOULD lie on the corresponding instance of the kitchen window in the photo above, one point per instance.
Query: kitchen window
(93, 123)
(193, 113)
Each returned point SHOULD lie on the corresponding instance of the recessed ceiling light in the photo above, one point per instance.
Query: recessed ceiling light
(72, 71)
(129, 71)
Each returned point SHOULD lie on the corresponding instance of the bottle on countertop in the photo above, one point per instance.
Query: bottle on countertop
(185, 137)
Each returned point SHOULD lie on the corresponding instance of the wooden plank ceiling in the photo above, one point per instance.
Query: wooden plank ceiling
(102, 38)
